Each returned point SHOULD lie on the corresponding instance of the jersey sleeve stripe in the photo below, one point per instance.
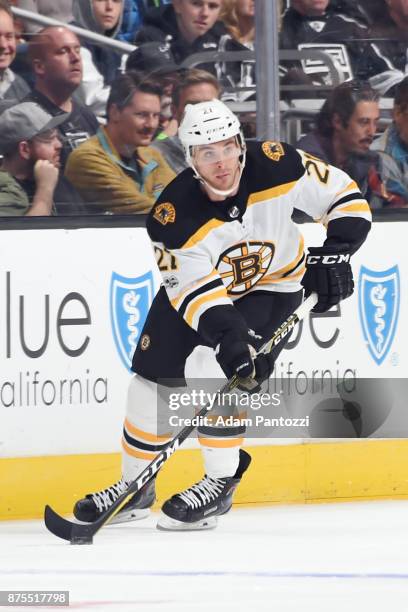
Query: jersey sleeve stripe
(201, 233)
(223, 301)
(274, 192)
(350, 187)
(356, 207)
(191, 297)
(208, 300)
(175, 302)
(355, 196)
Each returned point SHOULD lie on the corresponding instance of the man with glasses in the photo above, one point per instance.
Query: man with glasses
(116, 169)
(30, 183)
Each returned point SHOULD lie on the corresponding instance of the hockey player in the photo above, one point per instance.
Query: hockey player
(236, 264)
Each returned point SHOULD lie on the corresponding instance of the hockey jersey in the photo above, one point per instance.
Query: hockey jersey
(213, 253)
(343, 38)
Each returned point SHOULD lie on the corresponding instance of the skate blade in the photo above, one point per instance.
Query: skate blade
(130, 515)
(165, 523)
(123, 517)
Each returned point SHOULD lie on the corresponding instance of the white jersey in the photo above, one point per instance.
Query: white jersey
(213, 253)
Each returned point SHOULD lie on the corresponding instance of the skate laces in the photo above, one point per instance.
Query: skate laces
(202, 492)
(105, 498)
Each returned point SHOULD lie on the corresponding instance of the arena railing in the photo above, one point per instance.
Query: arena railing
(104, 41)
(106, 221)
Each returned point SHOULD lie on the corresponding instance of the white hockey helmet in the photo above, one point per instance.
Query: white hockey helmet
(206, 123)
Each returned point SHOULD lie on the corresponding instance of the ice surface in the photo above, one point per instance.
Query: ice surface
(322, 558)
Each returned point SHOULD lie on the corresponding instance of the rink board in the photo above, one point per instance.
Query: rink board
(292, 473)
(70, 317)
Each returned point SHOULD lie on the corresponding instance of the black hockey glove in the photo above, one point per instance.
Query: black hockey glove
(238, 357)
(329, 274)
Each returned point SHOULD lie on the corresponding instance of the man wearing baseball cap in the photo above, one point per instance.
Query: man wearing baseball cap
(29, 177)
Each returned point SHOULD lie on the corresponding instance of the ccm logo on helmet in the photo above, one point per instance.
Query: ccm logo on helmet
(328, 260)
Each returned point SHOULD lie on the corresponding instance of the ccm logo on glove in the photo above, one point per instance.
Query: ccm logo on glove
(329, 274)
(328, 260)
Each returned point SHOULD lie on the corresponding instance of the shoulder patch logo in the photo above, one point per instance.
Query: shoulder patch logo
(165, 213)
(273, 150)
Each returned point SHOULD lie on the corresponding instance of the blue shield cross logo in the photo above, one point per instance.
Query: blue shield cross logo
(130, 300)
(379, 300)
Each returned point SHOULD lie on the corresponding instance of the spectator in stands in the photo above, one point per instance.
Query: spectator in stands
(100, 64)
(117, 169)
(366, 11)
(188, 26)
(390, 35)
(394, 141)
(56, 61)
(11, 85)
(155, 60)
(193, 86)
(239, 18)
(29, 178)
(61, 10)
(134, 12)
(345, 129)
(311, 24)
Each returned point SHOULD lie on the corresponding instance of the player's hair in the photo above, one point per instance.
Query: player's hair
(401, 95)
(126, 85)
(193, 76)
(6, 8)
(342, 101)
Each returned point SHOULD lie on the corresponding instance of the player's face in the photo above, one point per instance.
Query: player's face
(310, 7)
(359, 133)
(107, 12)
(200, 92)
(401, 122)
(61, 63)
(46, 146)
(218, 163)
(7, 41)
(196, 17)
(139, 120)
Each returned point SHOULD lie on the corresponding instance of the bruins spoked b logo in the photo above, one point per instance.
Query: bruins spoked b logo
(242, 266)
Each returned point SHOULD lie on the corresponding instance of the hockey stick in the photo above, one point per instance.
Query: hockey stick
(79, 533)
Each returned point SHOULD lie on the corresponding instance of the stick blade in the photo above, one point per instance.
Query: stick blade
(66, 530)
(57, 524)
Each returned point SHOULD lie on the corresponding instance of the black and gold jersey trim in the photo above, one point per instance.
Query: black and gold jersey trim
(200, 291)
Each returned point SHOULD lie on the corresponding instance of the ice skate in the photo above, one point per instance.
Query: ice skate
(199, 506)
(91, 507)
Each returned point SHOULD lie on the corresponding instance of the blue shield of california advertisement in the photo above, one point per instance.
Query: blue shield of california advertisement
(379, 300)
(130, 300)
